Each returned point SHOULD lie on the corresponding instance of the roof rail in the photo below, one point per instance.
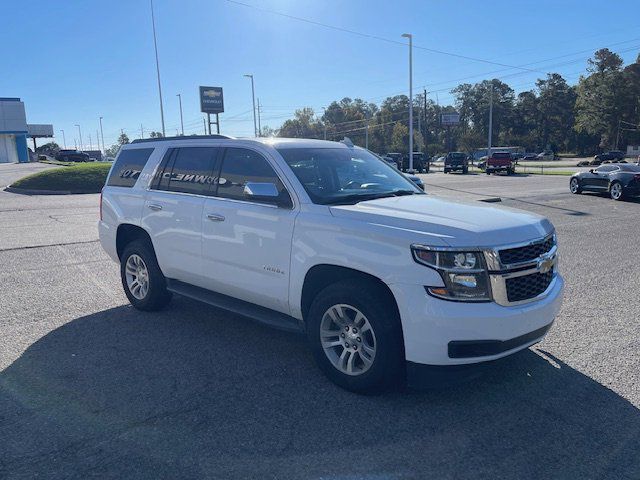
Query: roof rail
(181, 137)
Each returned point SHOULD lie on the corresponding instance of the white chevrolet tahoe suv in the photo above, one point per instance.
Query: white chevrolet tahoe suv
(388, 283)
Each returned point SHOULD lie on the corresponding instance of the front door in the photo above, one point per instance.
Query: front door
(246, 245)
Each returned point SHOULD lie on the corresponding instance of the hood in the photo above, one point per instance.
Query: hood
(456, 223)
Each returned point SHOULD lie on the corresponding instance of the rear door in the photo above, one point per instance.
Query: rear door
(246, 246)
(172, 212)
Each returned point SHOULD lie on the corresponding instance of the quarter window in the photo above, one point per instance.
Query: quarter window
(128, 167)
(240, 166)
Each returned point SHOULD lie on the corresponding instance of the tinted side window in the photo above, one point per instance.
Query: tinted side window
(188, 170)
(128, 166)
(605, 169)
(240, 166)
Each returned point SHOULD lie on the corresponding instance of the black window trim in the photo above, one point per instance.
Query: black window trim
(275, 170)
(214, 194)
(169, 156)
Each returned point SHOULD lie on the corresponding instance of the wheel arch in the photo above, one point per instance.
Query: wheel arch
(321, 276)
(127, 233)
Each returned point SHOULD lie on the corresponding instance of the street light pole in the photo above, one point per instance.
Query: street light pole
(64, 140)
(253, 96)
(80, 133)
(155, 46)
(181, 122)
(102, 135)
(410, 37)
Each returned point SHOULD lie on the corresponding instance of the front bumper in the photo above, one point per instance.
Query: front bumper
(441, 332)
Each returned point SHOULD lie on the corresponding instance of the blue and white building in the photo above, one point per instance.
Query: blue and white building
(14, 131)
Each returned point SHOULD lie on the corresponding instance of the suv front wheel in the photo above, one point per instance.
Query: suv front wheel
(142, 280)
(355, 336)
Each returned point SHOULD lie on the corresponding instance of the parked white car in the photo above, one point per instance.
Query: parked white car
(387, 282)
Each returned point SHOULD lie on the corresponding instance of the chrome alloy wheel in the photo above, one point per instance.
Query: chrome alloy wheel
(137, 276)
(348, 340)
(574, 185)
(616, 191)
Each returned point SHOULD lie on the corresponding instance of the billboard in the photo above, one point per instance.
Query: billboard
(449, 118)
(211, 100)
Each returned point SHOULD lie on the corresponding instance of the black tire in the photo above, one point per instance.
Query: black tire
(387, 370)
(577, 189)
(465, 171)
(616, 191)
(157, 296)
(446, 171)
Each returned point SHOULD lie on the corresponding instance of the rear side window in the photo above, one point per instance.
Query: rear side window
(240, 166)
(128, 166)
(188, 170)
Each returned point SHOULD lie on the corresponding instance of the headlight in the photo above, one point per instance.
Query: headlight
(464, 273)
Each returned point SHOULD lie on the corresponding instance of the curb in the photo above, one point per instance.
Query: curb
(28, 191)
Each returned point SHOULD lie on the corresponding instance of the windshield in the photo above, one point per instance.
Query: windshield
(457, 156)
(345, 175)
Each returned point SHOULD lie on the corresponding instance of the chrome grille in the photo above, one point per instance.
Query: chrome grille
(531, 252)
(527, 286)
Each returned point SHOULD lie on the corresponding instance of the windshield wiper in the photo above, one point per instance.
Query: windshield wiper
(363, 197)
(357, 197)
(400, 193)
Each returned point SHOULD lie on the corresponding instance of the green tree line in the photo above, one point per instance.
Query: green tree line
(600, 112)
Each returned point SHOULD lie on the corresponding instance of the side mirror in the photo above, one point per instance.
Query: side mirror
(267, 193)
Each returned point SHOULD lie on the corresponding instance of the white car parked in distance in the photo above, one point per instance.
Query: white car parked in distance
(388, 283)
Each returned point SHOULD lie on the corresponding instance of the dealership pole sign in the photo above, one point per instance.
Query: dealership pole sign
(211, 100)
(449, 119)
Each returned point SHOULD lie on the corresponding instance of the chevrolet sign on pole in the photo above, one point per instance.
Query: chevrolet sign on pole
(211, 100)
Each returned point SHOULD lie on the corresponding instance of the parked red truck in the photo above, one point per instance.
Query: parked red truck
(500, 162)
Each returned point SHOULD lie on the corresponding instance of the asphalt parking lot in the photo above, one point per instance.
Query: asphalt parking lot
(90, 387)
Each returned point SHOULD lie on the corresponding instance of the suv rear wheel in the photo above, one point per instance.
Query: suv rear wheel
(143, 282)
(355, 336)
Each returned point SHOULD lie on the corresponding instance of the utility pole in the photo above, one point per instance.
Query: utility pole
(204, 122)
(490, 121)
(80, 133)
(102, 135)
(181, 122)
(75, 144)
(155, 46)
(410, 37)
(324, 122)
(253, 96)
(366, 136)
(424, 119)
(259, 126)
(141, 131)
(64, 140)
(98, 140)
(618, 135)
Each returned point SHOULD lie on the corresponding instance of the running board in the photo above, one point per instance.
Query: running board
(264, 315)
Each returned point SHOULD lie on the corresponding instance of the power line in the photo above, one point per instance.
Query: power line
(377, 37)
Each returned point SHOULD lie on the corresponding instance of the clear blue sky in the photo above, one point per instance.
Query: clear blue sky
(72, 61)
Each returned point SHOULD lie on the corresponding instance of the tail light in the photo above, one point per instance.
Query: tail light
(100, 205)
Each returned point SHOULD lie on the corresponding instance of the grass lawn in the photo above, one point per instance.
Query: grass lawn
(79, 178)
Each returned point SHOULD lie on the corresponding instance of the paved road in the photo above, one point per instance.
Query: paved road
(10, 172)
(90, 387)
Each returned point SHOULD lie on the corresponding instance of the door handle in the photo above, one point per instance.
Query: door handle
(154, 206)
(215, 217)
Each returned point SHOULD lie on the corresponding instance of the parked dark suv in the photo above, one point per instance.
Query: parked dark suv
(456, 161)
(419, 163)
(72, 156)
(610, 155)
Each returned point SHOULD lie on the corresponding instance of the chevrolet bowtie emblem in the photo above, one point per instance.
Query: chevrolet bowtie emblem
(545, 264)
